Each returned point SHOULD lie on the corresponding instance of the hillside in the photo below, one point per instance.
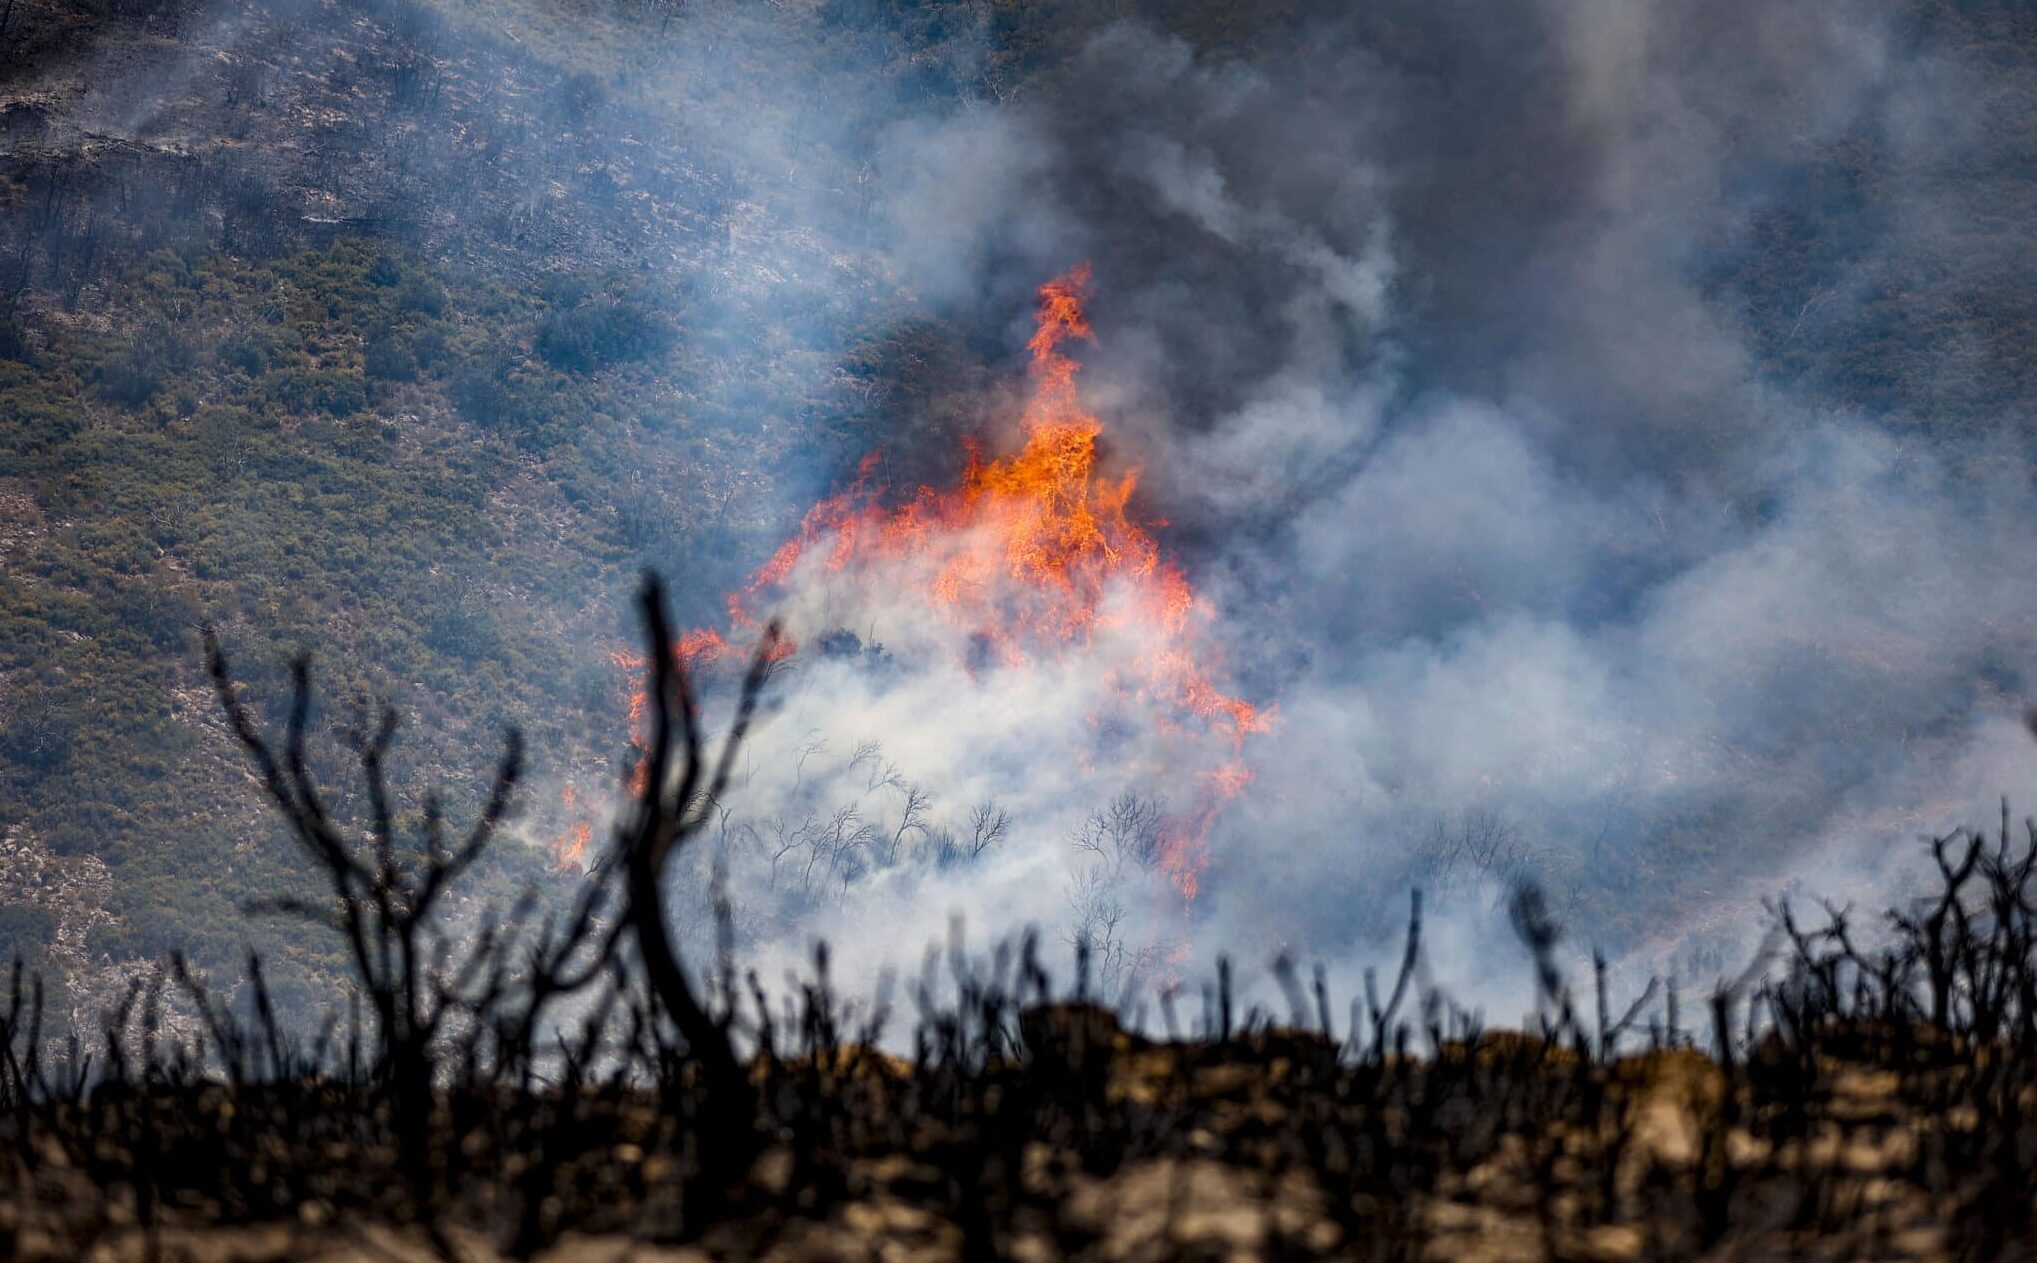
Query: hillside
(278, 361)
(407, 333)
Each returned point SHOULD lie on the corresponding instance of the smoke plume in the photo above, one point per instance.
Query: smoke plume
(1429, 333)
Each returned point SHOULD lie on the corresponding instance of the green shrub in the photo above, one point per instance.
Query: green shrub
(246, 352)
(131, 377)
(479, 394)
(13, 337)
(419, 295)
(304, 390)
(605, 331)
(39, 734)
(25, 932)
(164, 618)
(385, 271)
(387, 359)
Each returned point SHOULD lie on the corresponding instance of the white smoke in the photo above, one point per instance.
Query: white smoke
(1491, 492)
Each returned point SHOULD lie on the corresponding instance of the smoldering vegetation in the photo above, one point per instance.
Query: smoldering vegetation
(564, 1083)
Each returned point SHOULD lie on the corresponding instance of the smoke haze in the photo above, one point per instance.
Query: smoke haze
(1527, 388)
(1415, 323)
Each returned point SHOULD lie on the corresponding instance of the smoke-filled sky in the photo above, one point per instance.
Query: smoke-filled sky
(1515, 381)
(1421, 326)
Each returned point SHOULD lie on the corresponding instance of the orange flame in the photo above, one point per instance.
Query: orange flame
(566, 852)
(1032, 554)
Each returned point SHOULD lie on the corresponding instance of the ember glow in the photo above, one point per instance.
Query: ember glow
(571, 847)
(1033, 559)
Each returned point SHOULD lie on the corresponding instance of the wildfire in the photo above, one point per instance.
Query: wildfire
(1033, 555)
(568, 849)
